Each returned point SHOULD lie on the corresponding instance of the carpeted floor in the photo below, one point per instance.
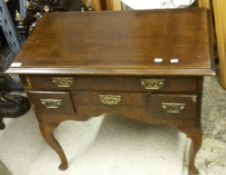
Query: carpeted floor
(117, 146)
(100, 146)
(211, 159)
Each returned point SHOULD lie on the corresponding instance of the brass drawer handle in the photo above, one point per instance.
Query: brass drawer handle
(63, 82)
(110, 99)
(51, 103)
(152, 83)
(173, 108)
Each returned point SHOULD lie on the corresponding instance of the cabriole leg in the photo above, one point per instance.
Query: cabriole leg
(195, 134)
(47, 132)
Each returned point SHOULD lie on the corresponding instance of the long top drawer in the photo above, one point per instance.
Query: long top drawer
(111, 83)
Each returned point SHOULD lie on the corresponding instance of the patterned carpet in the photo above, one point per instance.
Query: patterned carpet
(211, 159)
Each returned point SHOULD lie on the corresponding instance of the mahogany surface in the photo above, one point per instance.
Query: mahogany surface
(107, 60)
(124, 42)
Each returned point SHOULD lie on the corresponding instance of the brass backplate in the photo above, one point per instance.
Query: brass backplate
(110, 99)
(152, 83)
(173, 108)
(63, 82)
(51, 103)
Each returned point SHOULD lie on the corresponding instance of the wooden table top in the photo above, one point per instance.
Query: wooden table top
(122, 43)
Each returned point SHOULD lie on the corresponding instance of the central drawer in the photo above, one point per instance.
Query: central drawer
(130, 104)
(112, 83)
(110, 99)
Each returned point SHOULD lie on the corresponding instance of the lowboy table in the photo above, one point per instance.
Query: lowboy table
(147, 65)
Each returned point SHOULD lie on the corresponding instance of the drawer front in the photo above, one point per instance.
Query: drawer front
(172, 106)
(108, 83)
(51, 103)
(97, 103)
(110, 99)
(55, 106)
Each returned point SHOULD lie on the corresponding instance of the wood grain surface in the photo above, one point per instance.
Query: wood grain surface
(119, 43)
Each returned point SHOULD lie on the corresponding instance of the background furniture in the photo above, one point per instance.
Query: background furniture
(117, 4)
(8, 28)
(9, 40)
(11, 106)
(217, 8)
(99, 5)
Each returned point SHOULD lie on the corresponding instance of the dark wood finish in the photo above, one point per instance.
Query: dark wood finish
(86, 64)
(195, 134)
(119, 83)
(127, 99)
(65, 108)
(125, 46)
(47, 132)
(156, 109)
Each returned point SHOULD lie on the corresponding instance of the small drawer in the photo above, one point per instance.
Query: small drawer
(98, 103)
(172, 106)
(51, 103)
(110, 99)
(115, 83)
